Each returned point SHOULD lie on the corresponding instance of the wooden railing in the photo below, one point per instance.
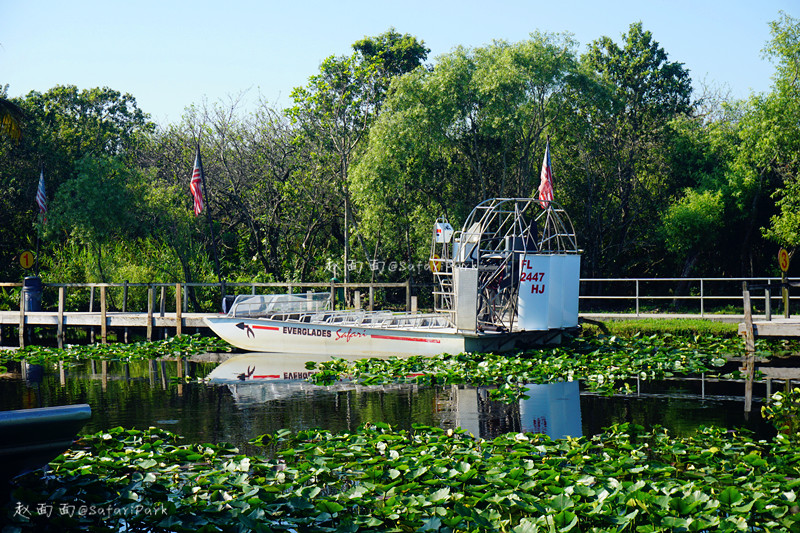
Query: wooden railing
(628, 296)
(635, 296)
(32, 312)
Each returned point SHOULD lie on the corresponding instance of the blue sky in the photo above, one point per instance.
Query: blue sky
(172, 54)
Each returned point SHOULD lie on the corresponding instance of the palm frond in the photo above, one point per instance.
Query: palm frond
(10, 119)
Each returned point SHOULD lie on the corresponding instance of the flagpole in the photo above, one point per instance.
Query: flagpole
(210, 222)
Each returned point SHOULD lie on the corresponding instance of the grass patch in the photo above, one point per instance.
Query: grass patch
(660, 326)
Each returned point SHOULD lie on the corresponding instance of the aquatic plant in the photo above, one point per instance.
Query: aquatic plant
(426, 479)
(604, 364)
(783, 411)
(178, 346)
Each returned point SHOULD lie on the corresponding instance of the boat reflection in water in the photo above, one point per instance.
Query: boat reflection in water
(254, 379)
(553, 409)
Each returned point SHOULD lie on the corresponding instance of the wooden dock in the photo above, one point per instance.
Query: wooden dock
(163, 313)
(147, 323)
(751, 328)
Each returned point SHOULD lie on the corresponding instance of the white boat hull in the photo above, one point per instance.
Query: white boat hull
(265, 335)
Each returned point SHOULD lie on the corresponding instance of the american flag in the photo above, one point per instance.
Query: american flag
(197, 183)
(546, 183)
(41, 199)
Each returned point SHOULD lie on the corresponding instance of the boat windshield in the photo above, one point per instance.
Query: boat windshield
(259, 305)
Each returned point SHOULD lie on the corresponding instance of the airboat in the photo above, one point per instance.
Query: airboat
(507, 280)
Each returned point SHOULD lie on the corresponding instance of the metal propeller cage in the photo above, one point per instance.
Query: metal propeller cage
(494, 236)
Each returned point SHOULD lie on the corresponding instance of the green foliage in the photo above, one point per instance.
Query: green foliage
(62, 127)
(10, 118)
(616, 155)
(426, 479)
(692, 222)
(449, 137)
(95, 207)
(681, 327)
(604, 364)
(783, 410)
(393, 53)
(767, 161)
(178, 346)
(374, 148)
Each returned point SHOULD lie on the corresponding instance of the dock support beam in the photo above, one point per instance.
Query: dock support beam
(103, 316)
(61, 303)
(21, 319)
(150, 313)
(178, 309)
(750, 348)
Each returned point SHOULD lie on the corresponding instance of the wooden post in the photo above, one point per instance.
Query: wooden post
(91, 310)
(61, 302)
(413, 304)
(768, 303)
(750, 348)
(785, 294)
(22, 318)
(149, 312)
(333, 295)
(178, 309)
(125, 307)
(163, 308)
(371, 296)
(357, 300)
(408, 294)
(103, 317)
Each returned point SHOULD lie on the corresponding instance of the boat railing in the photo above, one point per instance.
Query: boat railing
(373, 319)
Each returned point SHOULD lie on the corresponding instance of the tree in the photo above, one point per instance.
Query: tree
(95, 207)
(614, 148)
(692, 224)
(10, 117)
(470, 127)
(62, 126)
(338, 106)
(392, 54)
(773, 146)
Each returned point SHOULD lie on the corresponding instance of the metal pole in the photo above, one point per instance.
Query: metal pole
(702, 295)
(210, 222)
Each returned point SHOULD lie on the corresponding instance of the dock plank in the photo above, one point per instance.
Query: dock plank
(777, 327)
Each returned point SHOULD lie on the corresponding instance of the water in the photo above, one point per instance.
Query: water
(143, 394)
